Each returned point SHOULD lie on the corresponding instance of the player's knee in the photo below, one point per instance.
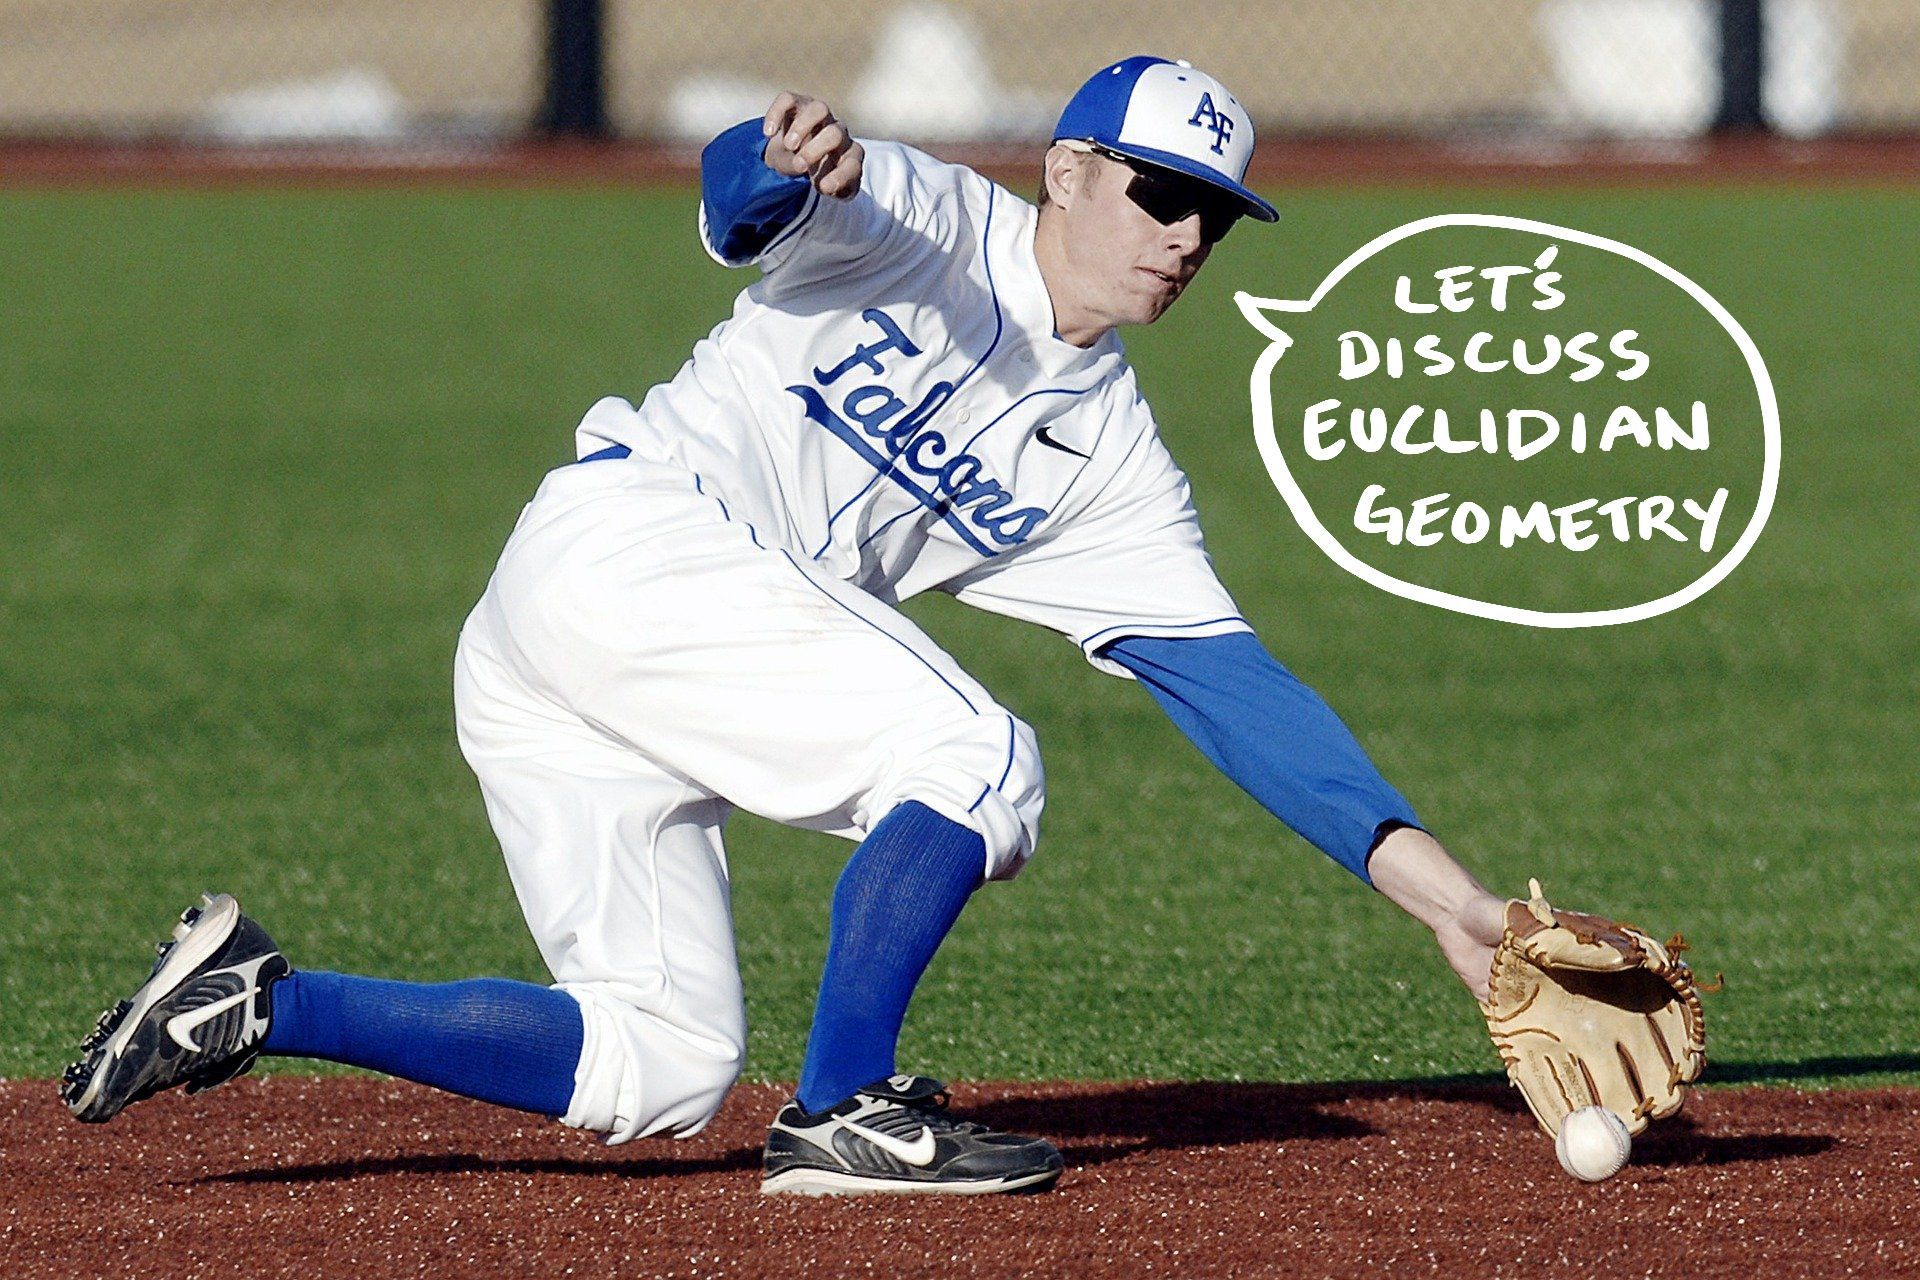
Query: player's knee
(983, 772)
(1023, 789)
(642, 1074)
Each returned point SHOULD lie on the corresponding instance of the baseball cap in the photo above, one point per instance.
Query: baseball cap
(1166, 113)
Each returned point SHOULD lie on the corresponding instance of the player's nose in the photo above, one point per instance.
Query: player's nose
(1183, 237)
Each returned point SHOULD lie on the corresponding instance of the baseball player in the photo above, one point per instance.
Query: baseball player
(923, 390)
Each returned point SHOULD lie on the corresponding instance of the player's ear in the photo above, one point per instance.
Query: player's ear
(1066, 171)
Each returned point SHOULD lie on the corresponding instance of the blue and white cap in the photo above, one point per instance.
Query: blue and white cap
(1167, 114)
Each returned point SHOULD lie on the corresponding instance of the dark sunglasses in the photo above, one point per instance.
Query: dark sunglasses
(1168, 197)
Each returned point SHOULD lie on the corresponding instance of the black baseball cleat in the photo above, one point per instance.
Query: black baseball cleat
(895, 1137)
(199, 1019)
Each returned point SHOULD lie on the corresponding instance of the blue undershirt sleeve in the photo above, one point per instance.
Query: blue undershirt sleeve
(1272, 735)
(747, 204)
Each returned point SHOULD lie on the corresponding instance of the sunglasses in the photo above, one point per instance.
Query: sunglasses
(1167, 197)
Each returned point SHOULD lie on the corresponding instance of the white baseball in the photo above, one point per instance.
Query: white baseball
(1593, 1144)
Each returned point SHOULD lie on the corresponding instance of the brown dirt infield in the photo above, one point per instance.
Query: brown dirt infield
(298, 1176)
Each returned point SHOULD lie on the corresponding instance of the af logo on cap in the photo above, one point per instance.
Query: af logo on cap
(1207, 116)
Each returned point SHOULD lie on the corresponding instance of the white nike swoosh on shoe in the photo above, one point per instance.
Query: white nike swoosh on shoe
(182, 1025)
(919, 1152)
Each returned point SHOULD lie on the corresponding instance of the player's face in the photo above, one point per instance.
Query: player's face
(1132, 263)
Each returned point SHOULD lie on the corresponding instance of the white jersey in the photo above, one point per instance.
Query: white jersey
(890, 402)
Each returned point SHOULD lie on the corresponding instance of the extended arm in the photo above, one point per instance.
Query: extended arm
(1284, 745)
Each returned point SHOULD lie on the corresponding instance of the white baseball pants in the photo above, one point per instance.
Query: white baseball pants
(641, 664)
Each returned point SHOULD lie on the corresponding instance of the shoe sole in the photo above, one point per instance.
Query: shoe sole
(209, 932)
(831, 1182)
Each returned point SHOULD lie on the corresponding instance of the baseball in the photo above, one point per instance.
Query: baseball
(1593, 1144)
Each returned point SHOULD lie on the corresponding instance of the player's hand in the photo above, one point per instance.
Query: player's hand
(803, 139)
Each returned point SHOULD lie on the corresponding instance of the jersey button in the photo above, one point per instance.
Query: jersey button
(966, 415)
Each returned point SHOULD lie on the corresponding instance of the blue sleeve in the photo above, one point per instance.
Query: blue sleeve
(1274, 736)
(746, 202)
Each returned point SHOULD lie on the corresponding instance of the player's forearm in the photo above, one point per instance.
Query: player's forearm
(1419, 876)
(1272, 735)
(1280, 741)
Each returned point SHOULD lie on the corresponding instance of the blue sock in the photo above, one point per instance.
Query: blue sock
(511, 1043)
(900, 893)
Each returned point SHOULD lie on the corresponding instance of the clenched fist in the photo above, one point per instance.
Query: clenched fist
(803, 138)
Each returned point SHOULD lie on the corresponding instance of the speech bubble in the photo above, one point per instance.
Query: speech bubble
(1260, 312)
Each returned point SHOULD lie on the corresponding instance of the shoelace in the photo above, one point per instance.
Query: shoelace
(932, 1112)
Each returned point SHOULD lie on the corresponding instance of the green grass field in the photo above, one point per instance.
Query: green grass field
(259, 449)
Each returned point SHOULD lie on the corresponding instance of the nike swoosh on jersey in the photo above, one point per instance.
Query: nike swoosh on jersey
(918, 1152)
(1045, 436)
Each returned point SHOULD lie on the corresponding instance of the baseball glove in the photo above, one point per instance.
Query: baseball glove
(1587, 1011)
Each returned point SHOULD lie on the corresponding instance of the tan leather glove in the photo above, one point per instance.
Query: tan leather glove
(1586, 1011)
